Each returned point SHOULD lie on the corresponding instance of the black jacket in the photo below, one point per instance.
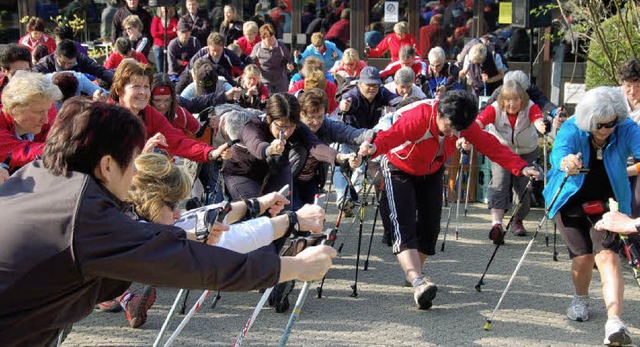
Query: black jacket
(85, 65)
(68, 245)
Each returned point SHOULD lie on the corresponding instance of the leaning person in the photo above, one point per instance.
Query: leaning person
(416, 146)
(82, 248)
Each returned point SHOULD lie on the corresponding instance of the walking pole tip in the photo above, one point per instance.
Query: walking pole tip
(487, 325)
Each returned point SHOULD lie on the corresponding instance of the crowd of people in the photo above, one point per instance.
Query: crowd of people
(108, 154)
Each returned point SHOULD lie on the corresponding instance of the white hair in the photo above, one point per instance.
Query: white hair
(520, 77)
(404, 75)
(599, 105)
(26, 87)
(436, 53)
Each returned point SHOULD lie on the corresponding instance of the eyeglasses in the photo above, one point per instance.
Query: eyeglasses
(609, 125)
(283, 127)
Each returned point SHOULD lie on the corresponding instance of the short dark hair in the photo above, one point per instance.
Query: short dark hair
(35, 24)
(14, 52)
(314, 99)
(63, 33)
(67, 49)
(283, 106)
(39, 51)
(629, 71)
(85, 131)
(123, 45)
(67, 82)
(460, 107)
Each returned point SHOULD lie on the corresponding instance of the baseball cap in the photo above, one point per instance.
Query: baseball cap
(370, 75)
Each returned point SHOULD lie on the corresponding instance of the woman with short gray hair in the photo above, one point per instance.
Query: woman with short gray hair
(599, 137)
(402, 85)
(442, 75)
(27, 113)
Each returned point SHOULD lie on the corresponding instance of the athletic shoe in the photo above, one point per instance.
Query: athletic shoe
(138, 304)
(616, 333)
(518, 229)
(109, 306)
(424, 294)
(579, 308)
(496, 234)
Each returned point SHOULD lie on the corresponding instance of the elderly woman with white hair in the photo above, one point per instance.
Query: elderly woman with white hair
(28, 110)
(403, 85)
(483, 68)
(600, 137)
(442, 75)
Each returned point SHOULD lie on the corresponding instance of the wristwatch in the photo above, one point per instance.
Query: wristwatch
(294, 225)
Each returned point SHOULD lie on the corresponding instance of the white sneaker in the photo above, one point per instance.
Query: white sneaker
(424, 294)
(616, 333)
(579, 308)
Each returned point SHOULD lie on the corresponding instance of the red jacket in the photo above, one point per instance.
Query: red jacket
(330, 89)
(116, 58)
(185, 121)
(393, 44)
(179, 143)
(157, 31)
(412, 144)
(22, 151)
(419, 67)
(339, 30)
(46, 40)
(246, 46)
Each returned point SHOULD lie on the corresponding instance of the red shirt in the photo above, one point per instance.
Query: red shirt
(360, 64)
(116, 58)
(246, 46)
(393, 44)
(330, 89)
(157, 31)
(418, 66)
(488, 116)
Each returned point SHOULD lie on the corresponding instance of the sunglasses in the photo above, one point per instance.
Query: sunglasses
(607, 125)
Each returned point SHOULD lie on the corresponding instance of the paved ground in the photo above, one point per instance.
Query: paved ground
(384, 314)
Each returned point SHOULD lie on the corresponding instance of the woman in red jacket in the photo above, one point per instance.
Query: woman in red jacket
(163, 99)
(392, 42)
(160, 27)
(35, 36)
(132, 89)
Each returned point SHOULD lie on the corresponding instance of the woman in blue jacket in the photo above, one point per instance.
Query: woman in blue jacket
(601, 132)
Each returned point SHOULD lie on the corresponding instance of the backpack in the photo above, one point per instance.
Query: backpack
(344, 84)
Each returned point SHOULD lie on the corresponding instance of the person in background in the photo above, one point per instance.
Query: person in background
(131, 8)
(322, 49)
(90, 156)
(316, 79)
(161, 29)
(66, 57)
(106, 19)
(443, 75)
(26, 116)
(198, 20)
(164, 100)
(310, 64)
(13, 58)
(39, 52)
(231, 27)
(350, 65)
(406, 58)
(516, 121)
(249, 38)
(374, 35)
(392, 42)
(484, 70)
(254, 93)
(244, 58)
(181, 49)
(403, 86)
(123, 49)
(66, 33)
(133, 31)
(274, 60)
(339, 31)
(35, 35)
(73, 83)
(600, 137)
(432, 36)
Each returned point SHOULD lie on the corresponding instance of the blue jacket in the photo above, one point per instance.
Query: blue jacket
(624, 140)
(327, 57)
(365, 114)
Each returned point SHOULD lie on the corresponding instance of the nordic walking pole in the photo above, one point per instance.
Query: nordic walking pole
(165, 325)
(373, 228)
(487, 325)
(527, 188)
(545, 138)
(630, 249)
(446, 229)
(469, 178)
(459, 190)
(354, 294)
(186, 319)
(254, 315)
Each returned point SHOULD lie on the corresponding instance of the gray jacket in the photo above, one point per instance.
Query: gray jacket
(67, 245)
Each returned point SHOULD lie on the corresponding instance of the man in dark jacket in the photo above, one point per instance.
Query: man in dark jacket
(197, 18)
(67, 57)
(57, 265)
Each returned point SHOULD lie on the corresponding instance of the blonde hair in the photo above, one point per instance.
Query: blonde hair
(350, 55)
(157, 182)
(26, 87)
(511, 89)
(401, 28)
(477, 53)
(235, 48)
(315, 79)
(317, 39)
(133, 21)
(249, 27)
(252, 69)
(311, 64)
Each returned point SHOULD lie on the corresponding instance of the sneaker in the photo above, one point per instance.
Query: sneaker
(579, 308)
(616, 333)
(496, 234)
(138, 304)
(518, 229)
(424, 294)
(109, 306)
